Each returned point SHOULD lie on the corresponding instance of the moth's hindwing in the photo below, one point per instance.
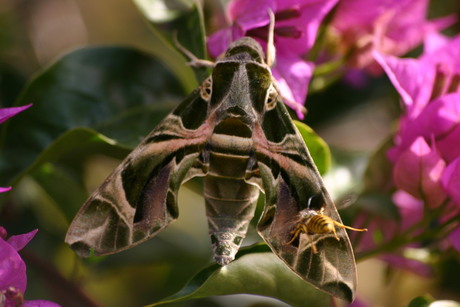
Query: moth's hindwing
(139, 198)
(292, 183)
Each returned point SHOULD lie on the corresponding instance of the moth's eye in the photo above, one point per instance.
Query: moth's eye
(272, 98)
(206, 89)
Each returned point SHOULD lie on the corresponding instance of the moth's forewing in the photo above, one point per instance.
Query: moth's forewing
(291, 182)
(139, 198)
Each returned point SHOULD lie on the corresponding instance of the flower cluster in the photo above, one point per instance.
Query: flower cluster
(296, 26)
(391, 27)
(426, 152)
(13, 278)
(426, 155)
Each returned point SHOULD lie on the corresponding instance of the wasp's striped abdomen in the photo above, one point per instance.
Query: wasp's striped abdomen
(321, 224)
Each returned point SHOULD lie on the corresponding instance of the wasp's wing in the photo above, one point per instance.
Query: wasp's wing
(139, 198)
(291, 184)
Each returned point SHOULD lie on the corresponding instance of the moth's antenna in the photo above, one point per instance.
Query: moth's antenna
(271, 51)
(194, 61)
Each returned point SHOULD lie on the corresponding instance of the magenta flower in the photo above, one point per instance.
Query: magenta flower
(391, 27)
(6, 113)
(425, 165)
(296, 27)
(4, 189)
(426, 154)
(13, 279)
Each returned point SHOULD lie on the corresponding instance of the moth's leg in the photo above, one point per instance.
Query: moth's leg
(203, 160)
(252, 175)
(271, 51)
(194, 61)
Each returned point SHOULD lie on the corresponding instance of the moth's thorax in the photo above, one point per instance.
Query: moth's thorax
(245, 49)
(239, 95)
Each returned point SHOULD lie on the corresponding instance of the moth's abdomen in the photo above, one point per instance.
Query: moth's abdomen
(230, 201)
(230, 206)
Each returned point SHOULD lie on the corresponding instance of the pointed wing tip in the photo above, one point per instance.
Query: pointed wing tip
(340, 290)
(81, 249)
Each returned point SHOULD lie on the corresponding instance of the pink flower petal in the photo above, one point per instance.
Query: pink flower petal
(293, 75)
(380, 230)
(454, 238)
(448, 53)
(40, 303)
(6, 113)
(441, 115)
(2, 190)
(358, 302)
(19, 241)
(418, 171)
(412, 265)
(12, 268)
(440, 120)
(345, 18)
(391, 27)
(400, 27)
(250, 14)
(451, 180)
(449, 145)
(411, 209)
(219, 41)
(412, 78)
(433, 41)
(312, 13)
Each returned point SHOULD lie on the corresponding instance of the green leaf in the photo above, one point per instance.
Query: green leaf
(58, 168)
(317, 147)
(160, 11)
(420, 301)
(428, 301)
(66, 191)
(181, 18)
(119, 91)
(255, 271)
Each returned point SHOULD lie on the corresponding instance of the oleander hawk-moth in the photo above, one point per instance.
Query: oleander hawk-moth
(236, 132)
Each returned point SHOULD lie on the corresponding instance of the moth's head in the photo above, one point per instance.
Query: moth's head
(246, 48)
(241, 85)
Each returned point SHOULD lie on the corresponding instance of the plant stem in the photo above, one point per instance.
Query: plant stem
(409, 236)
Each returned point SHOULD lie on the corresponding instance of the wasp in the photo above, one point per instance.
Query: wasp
(316, 223)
